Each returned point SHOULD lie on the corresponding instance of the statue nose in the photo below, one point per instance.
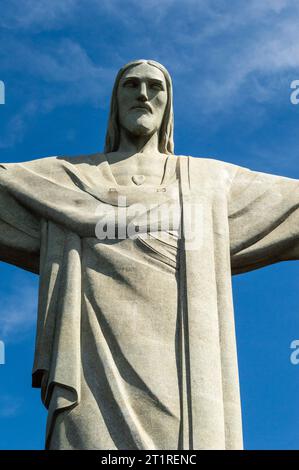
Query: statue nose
(143, 92)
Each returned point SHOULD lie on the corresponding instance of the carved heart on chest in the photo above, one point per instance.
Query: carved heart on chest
(138, 179)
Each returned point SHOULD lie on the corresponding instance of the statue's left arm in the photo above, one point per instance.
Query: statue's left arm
(263, 220)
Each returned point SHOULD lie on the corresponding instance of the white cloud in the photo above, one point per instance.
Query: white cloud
(64, 63)
(18, 310)
(241, 53)
(36, 15)
(222, 55)
(10, 406)
(16, 126)
(65, 74)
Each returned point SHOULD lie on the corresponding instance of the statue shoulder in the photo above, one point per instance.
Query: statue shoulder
(63, 170)
(210, 167)
(59, 161)
(58, 166)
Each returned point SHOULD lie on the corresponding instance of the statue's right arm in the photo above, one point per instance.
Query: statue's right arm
(19, 232)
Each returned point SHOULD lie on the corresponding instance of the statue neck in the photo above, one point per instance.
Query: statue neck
(133, 144)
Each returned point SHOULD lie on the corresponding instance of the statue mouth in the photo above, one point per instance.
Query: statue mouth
(143, 107)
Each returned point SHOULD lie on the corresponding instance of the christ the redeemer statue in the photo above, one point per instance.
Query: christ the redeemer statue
(135, 345)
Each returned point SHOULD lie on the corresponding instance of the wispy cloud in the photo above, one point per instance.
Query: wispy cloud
(10, 406)
(57, 74)
(222, 55)
(19, 310)
(41, 15)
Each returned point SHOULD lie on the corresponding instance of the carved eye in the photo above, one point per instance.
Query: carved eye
(156, 86)
(130, 84)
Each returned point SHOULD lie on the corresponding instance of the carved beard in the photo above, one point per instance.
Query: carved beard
(142, 126)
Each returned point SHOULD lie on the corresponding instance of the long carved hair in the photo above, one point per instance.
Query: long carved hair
(166, 144)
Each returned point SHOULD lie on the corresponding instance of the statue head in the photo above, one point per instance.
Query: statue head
(141, 103)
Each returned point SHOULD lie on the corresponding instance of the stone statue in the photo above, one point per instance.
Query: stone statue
(135, 344)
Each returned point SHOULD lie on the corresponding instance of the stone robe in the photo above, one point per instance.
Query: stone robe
(135, 344)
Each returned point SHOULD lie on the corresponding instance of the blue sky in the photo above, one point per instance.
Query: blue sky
(232, 64)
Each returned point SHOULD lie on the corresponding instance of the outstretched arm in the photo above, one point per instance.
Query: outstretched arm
(263, 220)
(19, 233)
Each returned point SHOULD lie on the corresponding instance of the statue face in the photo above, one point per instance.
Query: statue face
(142, 99)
